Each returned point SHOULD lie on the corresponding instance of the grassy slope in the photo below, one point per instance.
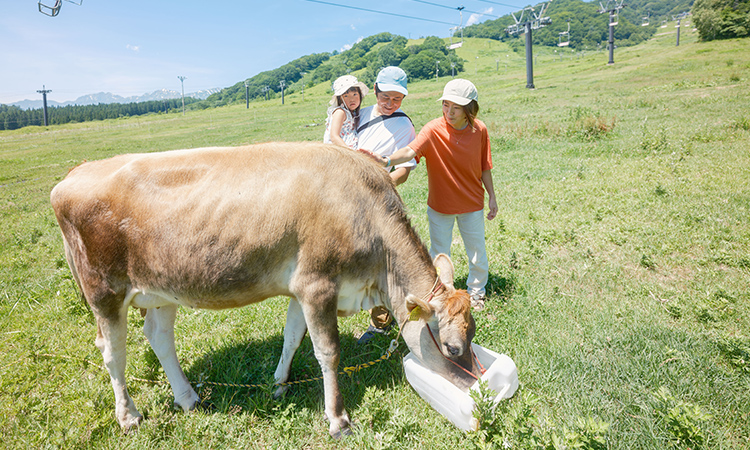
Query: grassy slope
(619, 265)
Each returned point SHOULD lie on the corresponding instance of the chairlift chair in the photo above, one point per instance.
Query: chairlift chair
(54, 10)
(664, 23)
(566, 35)
(51, 11)
(615, 19)
(645, 21)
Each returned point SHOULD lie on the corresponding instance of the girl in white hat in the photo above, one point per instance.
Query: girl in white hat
(459, 162)
(343, 115)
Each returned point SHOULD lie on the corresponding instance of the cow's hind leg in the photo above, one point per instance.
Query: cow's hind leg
(159, 330)
(294, 332)
(111, 340)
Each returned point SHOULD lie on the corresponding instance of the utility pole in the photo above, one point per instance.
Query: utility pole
(282, 85)
(527, 21)
(182, 82)
(437, 69)
(247, 98)
(44, 101)
(613, 7)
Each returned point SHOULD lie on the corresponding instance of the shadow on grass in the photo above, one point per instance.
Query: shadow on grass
(497, 285)
(254, 362)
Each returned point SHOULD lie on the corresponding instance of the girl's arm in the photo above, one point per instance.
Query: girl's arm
(489, 187)
(337, 121)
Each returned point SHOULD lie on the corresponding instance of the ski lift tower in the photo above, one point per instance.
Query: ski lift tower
(612, 7)
(679, 18)
(527, 21)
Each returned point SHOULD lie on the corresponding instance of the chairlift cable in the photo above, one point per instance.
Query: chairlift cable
(380, 12)
(452, 8)
(501, 4)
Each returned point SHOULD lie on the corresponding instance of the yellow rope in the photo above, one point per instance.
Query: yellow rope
(349, 370)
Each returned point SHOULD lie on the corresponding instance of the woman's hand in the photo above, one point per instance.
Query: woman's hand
(493, 209)
(379, 159)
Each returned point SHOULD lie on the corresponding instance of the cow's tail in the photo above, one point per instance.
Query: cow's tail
(73, 270)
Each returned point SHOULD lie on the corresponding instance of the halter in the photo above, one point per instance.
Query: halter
(429, 296)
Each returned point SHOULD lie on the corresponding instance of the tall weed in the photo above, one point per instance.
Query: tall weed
(586, 125)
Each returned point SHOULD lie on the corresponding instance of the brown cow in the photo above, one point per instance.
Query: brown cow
(225, 227)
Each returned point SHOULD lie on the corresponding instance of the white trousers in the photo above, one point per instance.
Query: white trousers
(471, 227)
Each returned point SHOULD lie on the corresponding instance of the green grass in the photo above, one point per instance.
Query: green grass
(620, 271)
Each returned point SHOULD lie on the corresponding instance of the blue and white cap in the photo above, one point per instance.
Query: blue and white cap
(392, 79)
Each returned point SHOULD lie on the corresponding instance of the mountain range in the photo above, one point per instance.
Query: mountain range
(108, 97)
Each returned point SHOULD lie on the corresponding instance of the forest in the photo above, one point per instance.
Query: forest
(417, 60)
(13, 117)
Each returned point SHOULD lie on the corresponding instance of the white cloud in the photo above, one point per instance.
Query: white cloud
(474, 18)
(348, 46)
(135, 48)
(353, 27)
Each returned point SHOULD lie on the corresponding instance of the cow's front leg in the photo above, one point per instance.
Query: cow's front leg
(322, 324)
(111, 340)
(159, 330)
(294, 332)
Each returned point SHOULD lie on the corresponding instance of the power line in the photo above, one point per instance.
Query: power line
(500, 4)
(455, 9)
(381, 12)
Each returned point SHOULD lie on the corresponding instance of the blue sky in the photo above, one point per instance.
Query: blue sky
(138, 46)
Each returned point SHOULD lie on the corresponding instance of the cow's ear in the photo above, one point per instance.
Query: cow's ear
(444, 267)
(418, 308)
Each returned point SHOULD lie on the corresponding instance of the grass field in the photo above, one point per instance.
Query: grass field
(620, 271)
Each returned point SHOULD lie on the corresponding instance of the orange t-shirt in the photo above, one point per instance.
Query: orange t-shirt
(455, 162)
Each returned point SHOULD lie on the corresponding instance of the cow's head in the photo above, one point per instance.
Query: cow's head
(448, 313)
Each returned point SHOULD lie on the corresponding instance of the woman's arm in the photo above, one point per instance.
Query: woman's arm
(490, 188)
(398, 157)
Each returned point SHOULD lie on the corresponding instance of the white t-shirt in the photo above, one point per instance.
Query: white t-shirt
(386, 135)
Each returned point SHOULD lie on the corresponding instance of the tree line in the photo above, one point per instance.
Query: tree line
(722, 19)
(13, 117)
(371, 54)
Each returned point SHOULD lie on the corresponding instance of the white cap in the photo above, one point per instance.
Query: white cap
(460, 92)
(346, 82)
(343, 84)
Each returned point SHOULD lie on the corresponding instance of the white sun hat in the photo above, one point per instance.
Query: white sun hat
(344, 83)
(460, 92)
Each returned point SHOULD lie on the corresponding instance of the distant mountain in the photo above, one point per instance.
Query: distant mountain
(108, 97)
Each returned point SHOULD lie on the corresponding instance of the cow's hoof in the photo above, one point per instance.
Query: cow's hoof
(199, 405)
(187, 402)
(342, 429)
(340, 434)
(280, 392)
(131, 423)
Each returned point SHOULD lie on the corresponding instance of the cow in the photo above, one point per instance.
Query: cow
(217, 228)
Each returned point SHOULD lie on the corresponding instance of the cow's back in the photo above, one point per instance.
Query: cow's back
(224, 222)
